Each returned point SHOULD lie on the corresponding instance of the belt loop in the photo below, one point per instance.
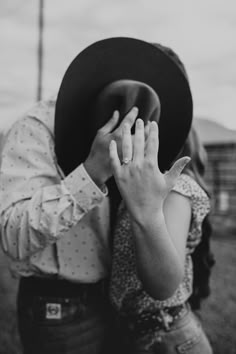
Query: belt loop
(167, 319)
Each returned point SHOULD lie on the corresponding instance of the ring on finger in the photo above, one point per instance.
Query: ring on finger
(126, 160)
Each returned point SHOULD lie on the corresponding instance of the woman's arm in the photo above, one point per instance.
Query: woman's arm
(146, 192)
(160, 244)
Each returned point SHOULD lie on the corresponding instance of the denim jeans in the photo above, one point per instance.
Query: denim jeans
(84, 328)
(186, 336)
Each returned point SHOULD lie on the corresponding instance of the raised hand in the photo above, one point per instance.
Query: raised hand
(98, 162)
(141, 183)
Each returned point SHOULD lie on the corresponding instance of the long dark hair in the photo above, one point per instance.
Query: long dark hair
(202, 257)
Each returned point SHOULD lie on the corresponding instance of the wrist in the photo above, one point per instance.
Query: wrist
(94, 174)
(145, 218)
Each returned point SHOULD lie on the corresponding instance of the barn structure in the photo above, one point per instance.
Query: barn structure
(220, 144)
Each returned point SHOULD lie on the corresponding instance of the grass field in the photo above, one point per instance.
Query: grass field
(218, 312)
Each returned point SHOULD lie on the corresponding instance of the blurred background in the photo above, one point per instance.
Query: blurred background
(38, 40)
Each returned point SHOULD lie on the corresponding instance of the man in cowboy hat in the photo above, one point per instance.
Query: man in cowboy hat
(59, 200)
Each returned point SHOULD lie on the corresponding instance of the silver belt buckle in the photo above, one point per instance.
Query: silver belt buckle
(53, 311)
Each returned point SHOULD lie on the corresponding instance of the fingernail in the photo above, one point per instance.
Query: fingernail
(153, 124)
(139, 121)
(135, 109)
(116, 114)
(112, 143)
(187, 159)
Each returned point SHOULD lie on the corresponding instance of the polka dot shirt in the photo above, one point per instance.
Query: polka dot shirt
(127, 293)
(50, 224)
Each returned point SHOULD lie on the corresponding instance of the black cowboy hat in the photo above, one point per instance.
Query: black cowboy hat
(81, 108)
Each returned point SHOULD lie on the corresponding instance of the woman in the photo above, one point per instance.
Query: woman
(159, 226)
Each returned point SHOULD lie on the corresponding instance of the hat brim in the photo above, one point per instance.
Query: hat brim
(115, 59)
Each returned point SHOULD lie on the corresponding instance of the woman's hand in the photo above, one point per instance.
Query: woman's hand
(98, 162)
(141, 183)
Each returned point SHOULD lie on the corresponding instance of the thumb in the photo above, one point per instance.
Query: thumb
(172, 175)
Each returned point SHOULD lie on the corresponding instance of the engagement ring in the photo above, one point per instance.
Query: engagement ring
(126, 161)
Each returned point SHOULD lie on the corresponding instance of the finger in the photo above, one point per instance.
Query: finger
(127, 143)
(172, 175)
(110, 125)
(152, 144)
(114, 158)
(146, 130)
(129, 118)
(139, 141)
(146, 134)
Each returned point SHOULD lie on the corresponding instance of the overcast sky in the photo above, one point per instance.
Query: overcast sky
(202, 32)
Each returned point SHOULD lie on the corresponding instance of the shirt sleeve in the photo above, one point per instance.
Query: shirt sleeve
(38, 205)
(200, 205)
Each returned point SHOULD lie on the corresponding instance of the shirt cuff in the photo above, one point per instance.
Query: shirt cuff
(84, 189)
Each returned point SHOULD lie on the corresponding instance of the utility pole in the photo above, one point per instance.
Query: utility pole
(40, 50)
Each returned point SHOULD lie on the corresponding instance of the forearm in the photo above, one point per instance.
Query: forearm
(30, 225)
(158, 263)
(26, 231)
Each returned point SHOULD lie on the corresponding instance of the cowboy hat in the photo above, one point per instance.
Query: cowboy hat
(88, 96)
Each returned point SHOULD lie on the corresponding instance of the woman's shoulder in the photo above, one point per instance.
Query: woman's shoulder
(200, 203)
(188, 186)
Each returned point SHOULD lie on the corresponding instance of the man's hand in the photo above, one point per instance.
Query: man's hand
(98, 162)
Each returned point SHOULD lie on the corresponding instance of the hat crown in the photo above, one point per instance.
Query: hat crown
(122, 95)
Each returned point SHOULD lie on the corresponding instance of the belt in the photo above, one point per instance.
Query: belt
(54, 287)
(146, 322)
(55, 300)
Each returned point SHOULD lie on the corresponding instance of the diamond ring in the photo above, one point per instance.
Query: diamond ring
(126, 160)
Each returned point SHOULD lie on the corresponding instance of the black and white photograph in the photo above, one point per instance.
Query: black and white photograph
(117, 177)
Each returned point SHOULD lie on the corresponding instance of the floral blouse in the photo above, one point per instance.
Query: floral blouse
(127, 293)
